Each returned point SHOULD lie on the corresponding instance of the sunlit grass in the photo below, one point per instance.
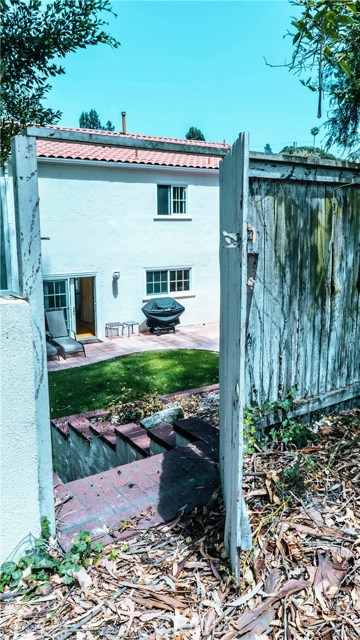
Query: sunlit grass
(95, 386)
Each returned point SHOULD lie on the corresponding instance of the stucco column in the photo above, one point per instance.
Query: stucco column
(26, 201)
(19, 456)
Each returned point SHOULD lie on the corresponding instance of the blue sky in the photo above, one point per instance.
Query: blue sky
(193, 63)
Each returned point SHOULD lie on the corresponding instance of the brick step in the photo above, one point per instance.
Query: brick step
(82, 447)
(193, 429)
(105, 431)
(162, 438)
(81, 427)
(62, 424)
(132, 442)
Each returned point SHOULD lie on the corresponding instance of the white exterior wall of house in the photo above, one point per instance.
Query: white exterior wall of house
(103, 217)
(20, 492)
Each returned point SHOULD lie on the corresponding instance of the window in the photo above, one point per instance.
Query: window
(179, 280)
(171, 200)
(56, 295)
(167, 281)
(156, 282)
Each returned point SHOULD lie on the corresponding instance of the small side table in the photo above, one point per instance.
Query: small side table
(130, 324)
(114, 326)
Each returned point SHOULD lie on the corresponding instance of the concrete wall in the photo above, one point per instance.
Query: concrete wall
(19, 485)
(104, 218)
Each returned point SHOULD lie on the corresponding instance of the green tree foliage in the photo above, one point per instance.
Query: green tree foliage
(314, 132)
(194, 134)
(34, 36)
(109, 126)
(267, 148)
(326, 41)
(91, 120)
(307, 152)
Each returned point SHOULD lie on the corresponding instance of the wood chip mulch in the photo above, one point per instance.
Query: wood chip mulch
(300, 581)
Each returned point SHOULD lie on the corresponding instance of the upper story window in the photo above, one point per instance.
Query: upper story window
(172, 200)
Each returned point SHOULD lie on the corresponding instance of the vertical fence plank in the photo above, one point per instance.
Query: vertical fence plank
(234, 173)
(26, 200)
(353, 233)
(254, 344)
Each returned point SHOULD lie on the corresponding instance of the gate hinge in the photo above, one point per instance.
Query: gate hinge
(252, 244)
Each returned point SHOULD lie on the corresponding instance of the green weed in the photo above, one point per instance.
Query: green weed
(42, 562)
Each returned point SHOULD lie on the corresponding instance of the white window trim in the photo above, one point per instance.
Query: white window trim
(170, 294)
(174, 216)
(181, 294)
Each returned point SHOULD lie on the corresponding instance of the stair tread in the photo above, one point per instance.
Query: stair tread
(61, 424)
(105, 431)
(135, 435)
(163, 435)
(195, 429)
(105, 428)
(142, 443)
(81, 426)
(126, 429)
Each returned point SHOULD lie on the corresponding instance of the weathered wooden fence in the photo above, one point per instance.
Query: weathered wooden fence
(290, 296)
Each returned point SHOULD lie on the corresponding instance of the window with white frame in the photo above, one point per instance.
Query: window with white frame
(171, 200)
(56, 295)
(163, 281)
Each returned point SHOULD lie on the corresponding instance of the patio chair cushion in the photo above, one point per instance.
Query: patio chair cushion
(51, 350)
(55, 319)
(69, 345)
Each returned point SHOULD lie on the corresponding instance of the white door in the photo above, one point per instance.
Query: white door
(72, 305)
(59, 294)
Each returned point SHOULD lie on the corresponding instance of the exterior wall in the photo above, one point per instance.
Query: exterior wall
(19, 485)
(103, 218)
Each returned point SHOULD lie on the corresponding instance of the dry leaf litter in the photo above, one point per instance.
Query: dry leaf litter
(300, 581)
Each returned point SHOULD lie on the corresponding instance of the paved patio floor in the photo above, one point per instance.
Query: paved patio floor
(200, 336)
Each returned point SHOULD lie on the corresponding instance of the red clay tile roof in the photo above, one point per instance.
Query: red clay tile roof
(77, 151)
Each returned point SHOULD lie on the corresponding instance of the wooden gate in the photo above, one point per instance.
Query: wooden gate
(290, 297)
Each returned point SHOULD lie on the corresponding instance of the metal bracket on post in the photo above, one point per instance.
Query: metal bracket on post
(252, 255)
(232, 240)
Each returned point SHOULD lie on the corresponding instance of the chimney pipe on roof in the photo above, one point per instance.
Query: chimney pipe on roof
(123, 121)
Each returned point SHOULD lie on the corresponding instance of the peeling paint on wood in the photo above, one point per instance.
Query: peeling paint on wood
(233, 307)
(305, 306)
(300, 290)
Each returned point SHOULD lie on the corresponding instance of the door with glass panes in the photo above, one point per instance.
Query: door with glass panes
(76, 297)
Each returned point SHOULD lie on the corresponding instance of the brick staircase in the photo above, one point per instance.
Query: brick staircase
(89, 443)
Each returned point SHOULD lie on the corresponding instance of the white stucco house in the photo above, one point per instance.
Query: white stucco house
(122, 225)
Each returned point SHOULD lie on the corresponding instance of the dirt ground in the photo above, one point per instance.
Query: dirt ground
(300, 581)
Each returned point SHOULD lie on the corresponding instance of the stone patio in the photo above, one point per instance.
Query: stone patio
(202, 336)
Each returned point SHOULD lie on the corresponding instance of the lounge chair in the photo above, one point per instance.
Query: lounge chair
(60, 334)
(51, 349)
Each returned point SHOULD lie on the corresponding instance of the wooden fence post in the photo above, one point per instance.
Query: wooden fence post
(234, 188)
(26, 201)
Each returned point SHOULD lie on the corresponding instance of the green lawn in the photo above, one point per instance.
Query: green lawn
(95, 386)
